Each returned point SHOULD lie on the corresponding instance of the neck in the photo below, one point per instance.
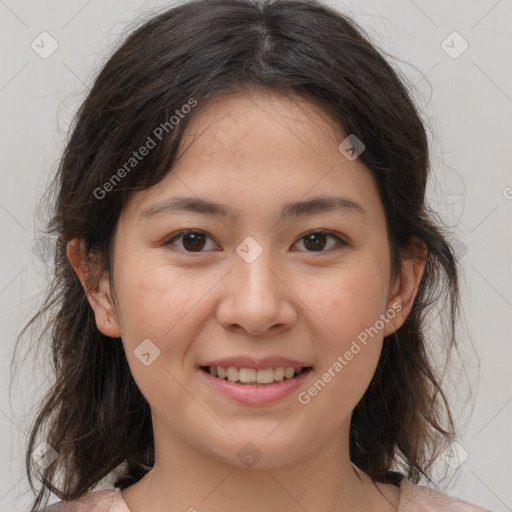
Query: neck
(187, 479)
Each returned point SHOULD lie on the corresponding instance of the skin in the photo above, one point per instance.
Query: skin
(253, 152)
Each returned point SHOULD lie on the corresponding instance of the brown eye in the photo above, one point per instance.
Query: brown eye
(316, 241)
(192, 241)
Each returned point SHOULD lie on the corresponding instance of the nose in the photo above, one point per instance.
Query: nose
(256, 298)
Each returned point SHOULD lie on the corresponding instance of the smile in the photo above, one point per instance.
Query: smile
(265, 376)
(254, 386)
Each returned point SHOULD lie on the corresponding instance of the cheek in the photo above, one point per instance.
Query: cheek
(348, 299)
(154, 296)
(151, 307)
(166, 305)
(350, 305)
(159, 306)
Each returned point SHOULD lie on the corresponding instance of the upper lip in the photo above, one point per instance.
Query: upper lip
(257, 363)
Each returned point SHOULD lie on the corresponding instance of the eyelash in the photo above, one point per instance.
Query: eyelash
(179, 234)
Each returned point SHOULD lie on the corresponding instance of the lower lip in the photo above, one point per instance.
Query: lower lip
(254, 394)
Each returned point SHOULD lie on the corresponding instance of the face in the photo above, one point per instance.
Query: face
(254, 286)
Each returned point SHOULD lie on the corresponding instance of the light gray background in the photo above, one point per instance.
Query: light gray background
(467, 101)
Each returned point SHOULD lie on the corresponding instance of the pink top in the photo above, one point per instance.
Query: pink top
(413, 498)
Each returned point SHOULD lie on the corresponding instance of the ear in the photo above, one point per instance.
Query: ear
(406, 284)
(97, 290)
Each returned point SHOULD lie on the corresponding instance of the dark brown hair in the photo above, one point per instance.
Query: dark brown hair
(94, 415)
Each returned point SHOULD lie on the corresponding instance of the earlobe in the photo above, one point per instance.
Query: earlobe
(394, 315)
(406, 288)
(96, 289)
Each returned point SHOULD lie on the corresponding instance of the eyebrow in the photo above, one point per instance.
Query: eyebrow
(297, 208)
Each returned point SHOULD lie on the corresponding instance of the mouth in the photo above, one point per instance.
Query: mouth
(255, 377)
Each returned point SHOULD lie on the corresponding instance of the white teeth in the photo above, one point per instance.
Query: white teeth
(279, 373)
(232, 374)
(265, 375)
(289, 372)
(247, 375)
(251, 375)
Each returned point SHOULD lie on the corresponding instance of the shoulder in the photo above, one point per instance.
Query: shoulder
(106, 500)
(420, 498)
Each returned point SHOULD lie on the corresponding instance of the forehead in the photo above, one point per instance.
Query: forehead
(271, 116)
(266, 149)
